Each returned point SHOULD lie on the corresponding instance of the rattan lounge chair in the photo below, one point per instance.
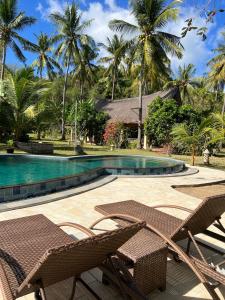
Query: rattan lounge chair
(36, 253)
(172, 230)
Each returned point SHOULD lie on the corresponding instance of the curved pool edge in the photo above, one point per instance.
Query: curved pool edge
(50, 186)
(94, 184)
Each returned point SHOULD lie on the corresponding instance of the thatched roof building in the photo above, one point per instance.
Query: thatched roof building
(126, 110)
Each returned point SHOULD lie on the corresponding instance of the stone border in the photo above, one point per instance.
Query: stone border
(98, 182)
(49, 186)
(19, 204)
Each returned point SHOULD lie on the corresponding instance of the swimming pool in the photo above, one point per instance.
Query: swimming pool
(29, 175)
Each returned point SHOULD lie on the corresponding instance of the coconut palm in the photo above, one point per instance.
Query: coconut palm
(116, 48)
(21, 92)
(43, 50)
(11, 22)
(85, 68)
(70, 37)
(184, 82)
(152, 45)
(217, 73)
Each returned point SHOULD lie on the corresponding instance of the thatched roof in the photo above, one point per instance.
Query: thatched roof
(126, 110)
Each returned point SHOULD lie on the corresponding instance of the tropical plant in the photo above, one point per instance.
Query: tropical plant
(21, 92)
(217, 74)
(70, 37)
(161, 117)
(184, 82)
(151, 44)
(43, 49)
(116, 48)
(11, 22)
(85, 68)
(193, 139)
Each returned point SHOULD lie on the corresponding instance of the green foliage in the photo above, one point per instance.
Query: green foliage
(195, 139)
(90, 122)
(20, 91)
(162, 115)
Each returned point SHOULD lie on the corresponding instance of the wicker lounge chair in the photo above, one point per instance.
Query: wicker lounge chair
(172, 230)
(36, 253)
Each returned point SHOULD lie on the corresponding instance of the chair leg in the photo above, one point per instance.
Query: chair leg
(37, 295)
(73, 289)
(88, 288)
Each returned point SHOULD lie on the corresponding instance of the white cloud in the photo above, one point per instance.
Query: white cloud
(101, 15)
(52, 6)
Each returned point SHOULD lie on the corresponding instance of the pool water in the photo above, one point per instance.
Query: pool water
(25, 169)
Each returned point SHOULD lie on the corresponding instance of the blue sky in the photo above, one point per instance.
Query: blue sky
(196, 51)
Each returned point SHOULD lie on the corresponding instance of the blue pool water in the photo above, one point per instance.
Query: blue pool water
(16, 169)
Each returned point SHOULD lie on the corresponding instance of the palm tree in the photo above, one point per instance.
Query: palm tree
(43, 50)
(116, 47)
(192, 138)
(151, 43)
(184, 82)
(70, 37)
(21, 92)
(10, 22)
(217, 73)
(85, 68)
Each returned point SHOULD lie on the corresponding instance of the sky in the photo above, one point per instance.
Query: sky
(101, 12)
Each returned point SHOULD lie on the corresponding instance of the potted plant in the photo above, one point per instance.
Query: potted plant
(10, 146)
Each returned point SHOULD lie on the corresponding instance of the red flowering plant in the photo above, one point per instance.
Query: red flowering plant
(112, 134)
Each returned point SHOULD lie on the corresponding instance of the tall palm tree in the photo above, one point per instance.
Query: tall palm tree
(184, 82)
(85, 67)
(151, 43)
(43, 50)
(11, 22)
(116, 47)
(70, 37)
(217, 73)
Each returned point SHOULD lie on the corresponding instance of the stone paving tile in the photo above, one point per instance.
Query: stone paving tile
(182, 284)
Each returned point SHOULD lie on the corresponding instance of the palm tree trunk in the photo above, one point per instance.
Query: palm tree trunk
(63, 134)
(113, 83)
(139, 144)
(223, 108)
(3, 62)
(193, 155)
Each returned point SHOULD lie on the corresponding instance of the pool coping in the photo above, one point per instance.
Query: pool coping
(91, 185)
(11, 193)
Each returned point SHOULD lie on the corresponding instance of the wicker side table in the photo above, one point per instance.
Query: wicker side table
(145, 256)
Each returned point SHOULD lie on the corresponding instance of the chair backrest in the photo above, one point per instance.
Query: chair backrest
(202, 217)
(75, 258)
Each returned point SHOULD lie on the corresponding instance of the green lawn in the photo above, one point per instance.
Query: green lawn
(66, 149)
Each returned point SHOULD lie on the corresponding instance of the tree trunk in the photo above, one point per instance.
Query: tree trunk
(3, 62)
(193, 155)
(113, 84)
(223, 109)
(63, 135)
(139, 143)
(75, 127)
(39, 133)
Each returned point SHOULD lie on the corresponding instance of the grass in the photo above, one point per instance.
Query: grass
(67, 149)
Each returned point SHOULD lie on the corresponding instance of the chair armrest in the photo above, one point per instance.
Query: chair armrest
(79, 227)
(173, 206)
(118, 216)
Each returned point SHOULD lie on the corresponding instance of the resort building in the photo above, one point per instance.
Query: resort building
(126, 110)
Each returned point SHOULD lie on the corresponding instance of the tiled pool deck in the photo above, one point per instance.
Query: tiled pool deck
(181, 283)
